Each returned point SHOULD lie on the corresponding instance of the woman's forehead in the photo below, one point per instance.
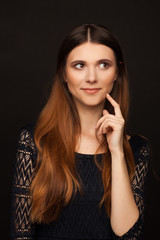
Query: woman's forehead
(89, 50)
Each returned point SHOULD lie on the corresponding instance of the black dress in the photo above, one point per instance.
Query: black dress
(81, 219)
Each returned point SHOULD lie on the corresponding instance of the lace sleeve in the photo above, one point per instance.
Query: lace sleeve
(20, 226)
(142, 157)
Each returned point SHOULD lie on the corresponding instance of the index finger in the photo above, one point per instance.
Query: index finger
(115, 105)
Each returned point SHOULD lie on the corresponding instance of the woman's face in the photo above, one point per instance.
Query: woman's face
(90, 73)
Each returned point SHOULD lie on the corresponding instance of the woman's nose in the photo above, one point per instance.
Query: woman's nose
(91, 75)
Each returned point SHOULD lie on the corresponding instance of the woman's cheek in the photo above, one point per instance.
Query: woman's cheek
(109, 86)
(74, 78)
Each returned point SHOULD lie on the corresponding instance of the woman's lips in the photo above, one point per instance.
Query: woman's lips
(91, 90)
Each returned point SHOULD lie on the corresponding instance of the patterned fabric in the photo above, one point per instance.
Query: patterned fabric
(21, 200)
(81, 219)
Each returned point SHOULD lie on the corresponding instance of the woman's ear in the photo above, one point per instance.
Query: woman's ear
(64, 76)
(116, 76)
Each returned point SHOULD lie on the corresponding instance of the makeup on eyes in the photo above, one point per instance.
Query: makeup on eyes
(101, 61)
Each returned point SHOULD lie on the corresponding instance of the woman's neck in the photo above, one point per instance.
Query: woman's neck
(89, 117)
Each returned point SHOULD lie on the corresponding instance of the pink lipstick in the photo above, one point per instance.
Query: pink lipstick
(91, 90)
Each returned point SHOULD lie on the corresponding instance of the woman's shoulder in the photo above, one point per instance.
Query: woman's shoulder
(140, 146)
(138, 139)
(26, 136)
(28, 128)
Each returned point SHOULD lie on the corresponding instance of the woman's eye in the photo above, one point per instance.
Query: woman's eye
(103, 65)
(79, 65)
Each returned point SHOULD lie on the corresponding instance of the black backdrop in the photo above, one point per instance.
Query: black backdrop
(30, 35)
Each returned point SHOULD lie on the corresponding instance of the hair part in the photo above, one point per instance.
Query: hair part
(88, 35)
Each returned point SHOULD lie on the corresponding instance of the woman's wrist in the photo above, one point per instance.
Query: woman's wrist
(118, 153)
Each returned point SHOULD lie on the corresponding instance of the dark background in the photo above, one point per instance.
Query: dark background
(30, 35)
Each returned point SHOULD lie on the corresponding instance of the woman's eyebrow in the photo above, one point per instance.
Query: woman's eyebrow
(105, 59)
(100, 60)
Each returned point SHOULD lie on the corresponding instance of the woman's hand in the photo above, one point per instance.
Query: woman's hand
(112, 126)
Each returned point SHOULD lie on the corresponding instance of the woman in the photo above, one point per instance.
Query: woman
(78, 174)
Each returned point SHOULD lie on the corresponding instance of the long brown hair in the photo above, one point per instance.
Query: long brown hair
(57, 130)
